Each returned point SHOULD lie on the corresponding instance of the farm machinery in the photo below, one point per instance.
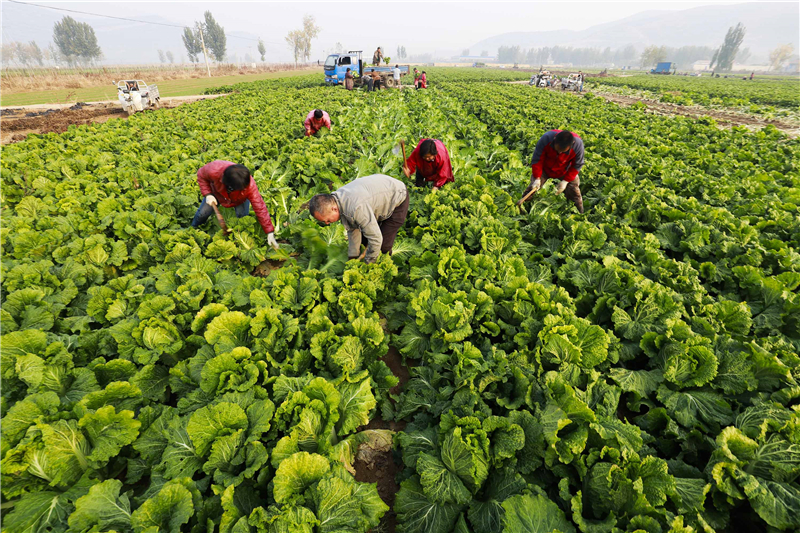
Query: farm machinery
(136, 95)
(542, 79)
(571, 83)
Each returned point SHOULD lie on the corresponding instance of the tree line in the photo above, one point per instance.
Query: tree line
(566, 54)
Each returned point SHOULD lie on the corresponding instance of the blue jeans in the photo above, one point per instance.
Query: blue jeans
(205, 211)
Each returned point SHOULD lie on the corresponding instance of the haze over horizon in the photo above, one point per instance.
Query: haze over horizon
(441, 29)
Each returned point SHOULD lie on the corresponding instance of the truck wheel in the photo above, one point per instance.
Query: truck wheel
(389, 82)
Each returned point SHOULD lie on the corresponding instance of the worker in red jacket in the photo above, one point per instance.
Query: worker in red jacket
(558, 155)
(231, 185)
(315, 121)
(431, 162)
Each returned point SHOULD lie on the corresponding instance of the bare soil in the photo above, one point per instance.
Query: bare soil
(379, 466)
(16, 123)
(727, 118)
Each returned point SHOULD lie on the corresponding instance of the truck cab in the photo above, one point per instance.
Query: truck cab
(337, 64)
(664, 67)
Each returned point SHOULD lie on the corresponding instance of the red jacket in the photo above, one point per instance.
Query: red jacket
(209, 178)
(423, 82)
(558, 166)
(313, 125)
(438, 171)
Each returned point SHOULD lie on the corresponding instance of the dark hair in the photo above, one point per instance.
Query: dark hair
(236, 177)
(372, 70)
(564, 139)
(320, 203)
(317, 114)
(423, 72)
(397, 66)
(348, 69)
(427, 147)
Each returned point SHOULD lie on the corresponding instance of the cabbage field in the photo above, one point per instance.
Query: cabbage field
(632, 369)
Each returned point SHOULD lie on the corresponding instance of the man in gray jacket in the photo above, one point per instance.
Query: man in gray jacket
(372, 209)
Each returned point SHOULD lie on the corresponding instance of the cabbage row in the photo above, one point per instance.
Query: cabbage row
(631, 369)
(733, 91)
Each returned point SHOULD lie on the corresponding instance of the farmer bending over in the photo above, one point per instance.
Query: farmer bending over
(231, 185)
(372, 209)
(315, 121)
(431, 162)
(558, 155)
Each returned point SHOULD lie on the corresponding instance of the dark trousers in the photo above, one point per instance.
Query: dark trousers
(205, 211)
(419, 181)
(572, 192)
(369, 83)
(391, 226)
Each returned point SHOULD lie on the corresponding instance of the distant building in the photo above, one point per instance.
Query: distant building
(701, 65)
(793, 66)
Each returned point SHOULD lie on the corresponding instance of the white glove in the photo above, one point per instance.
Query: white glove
(271, 240)
(211, 200)
(536, 183)
(562, 185)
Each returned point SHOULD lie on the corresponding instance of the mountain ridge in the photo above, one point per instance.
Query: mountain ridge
(768, 25)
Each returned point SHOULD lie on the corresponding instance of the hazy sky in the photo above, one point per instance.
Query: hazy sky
(420, 26)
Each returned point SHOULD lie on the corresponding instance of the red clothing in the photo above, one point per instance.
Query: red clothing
(209, 178)
(438, 171)
(423, 82)
(313, 125)
(558, 166)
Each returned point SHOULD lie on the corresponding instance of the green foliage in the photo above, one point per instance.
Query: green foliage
(633, 368)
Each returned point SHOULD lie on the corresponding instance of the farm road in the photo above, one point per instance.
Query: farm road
(16, 123)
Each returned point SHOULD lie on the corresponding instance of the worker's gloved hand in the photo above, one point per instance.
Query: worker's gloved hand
(534, 185)
(406, 171)
(211, 200)
(271, 240)
(562, 185)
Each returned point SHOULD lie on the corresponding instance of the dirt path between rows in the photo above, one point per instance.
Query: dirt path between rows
(727, 118)
(16, 123)
(659, 108)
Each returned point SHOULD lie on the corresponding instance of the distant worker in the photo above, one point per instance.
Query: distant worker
(558, 155)
(753, 73)
(580, 80)
(372, 210)
(423, 81)
(376, 79)
(349, 81)
(431, 162)
(416, 78)
(377, 56)
(396, 75)
(231, 185)
(315, 121)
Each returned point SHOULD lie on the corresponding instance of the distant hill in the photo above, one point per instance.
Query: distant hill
(768, 24)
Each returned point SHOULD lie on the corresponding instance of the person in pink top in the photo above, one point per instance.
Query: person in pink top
(431, 162)
(231, 185)
(315, 121)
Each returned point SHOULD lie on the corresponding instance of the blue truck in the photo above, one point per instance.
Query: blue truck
(664, 67)
(337, 64)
